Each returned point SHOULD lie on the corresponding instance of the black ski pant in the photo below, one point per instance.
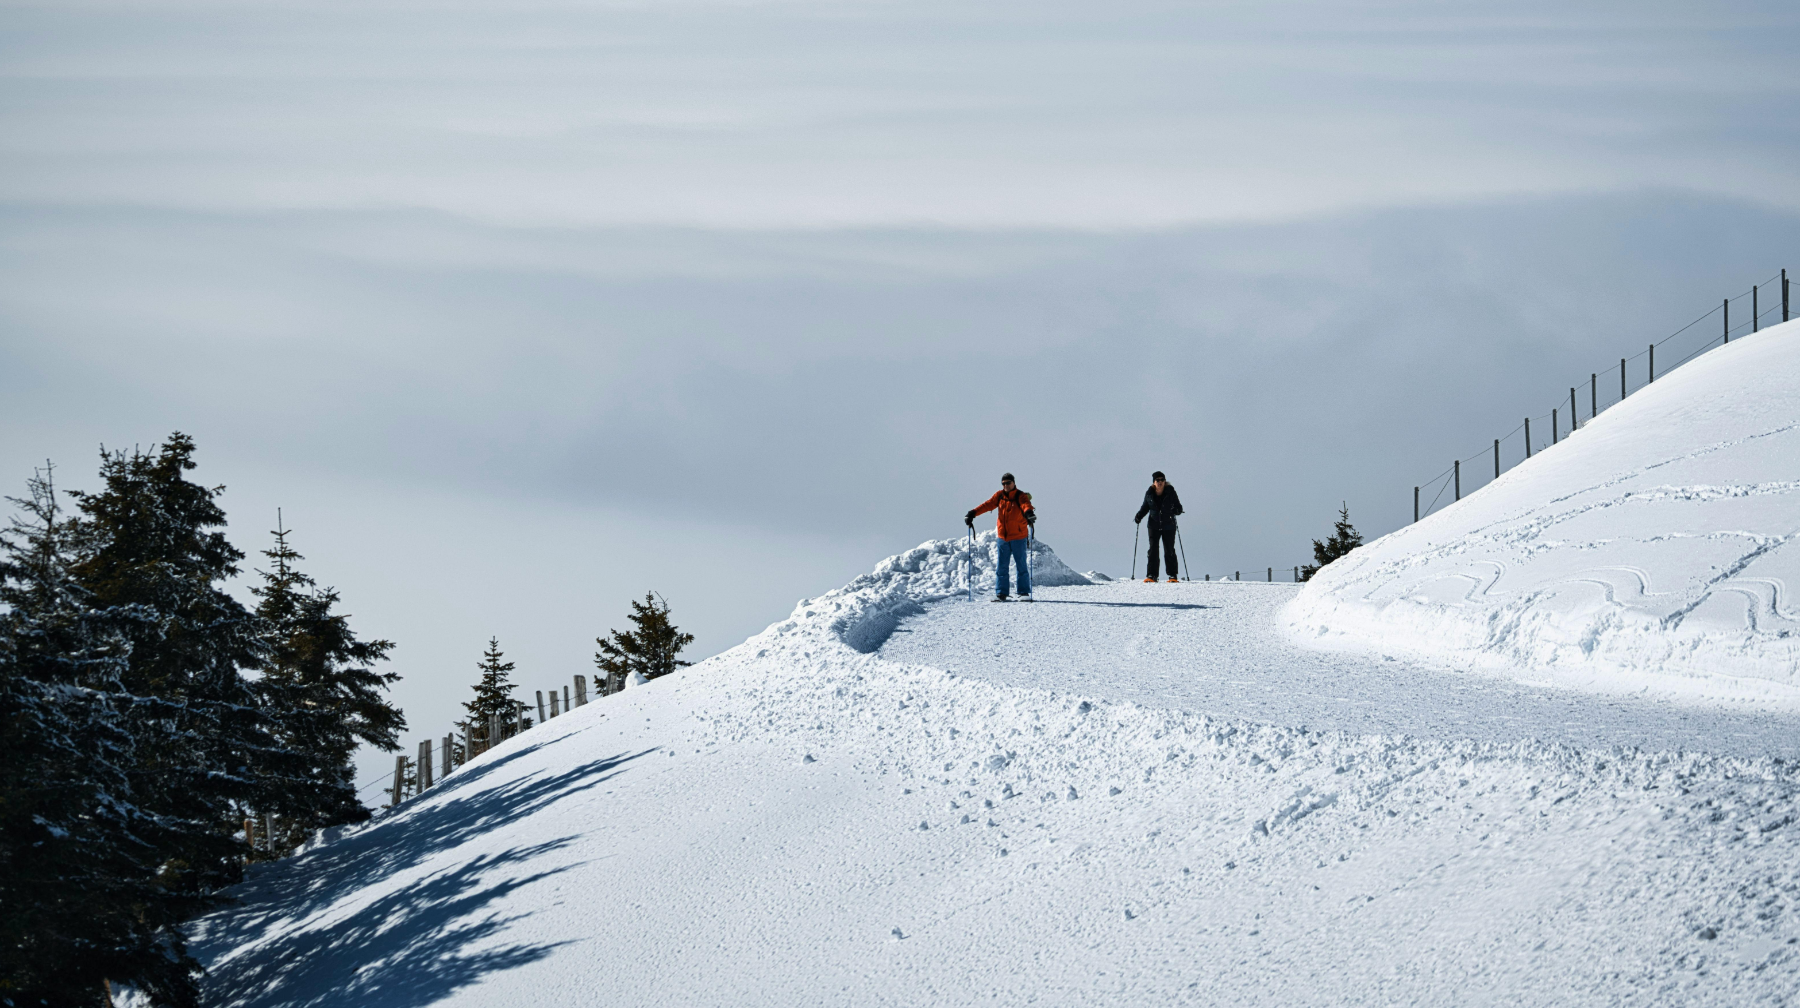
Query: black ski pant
(1167, 537)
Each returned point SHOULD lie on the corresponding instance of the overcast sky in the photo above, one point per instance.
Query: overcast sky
(522, 309)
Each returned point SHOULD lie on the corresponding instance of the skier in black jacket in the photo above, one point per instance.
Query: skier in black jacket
(1161, 504)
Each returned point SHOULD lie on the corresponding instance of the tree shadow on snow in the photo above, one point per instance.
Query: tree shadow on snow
(406, 948)
(401, 949)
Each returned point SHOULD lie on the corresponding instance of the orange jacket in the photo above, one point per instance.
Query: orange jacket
(1012, 512)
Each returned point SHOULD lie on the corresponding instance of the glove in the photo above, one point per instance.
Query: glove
(1139, 520)
(1031, 518)
(969, 519)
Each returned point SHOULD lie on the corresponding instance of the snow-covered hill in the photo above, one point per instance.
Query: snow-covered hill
(805, 821)
(1155, 794)
(1652, 549)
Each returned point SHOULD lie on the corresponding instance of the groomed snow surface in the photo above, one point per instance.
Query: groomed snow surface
(1139, 794)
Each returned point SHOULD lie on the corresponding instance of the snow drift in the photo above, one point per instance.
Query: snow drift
(1653, 548)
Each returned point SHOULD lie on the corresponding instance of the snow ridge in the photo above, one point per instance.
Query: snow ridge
(1669, 572)
(887, 832)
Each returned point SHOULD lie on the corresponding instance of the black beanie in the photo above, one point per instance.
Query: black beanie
(1158, 476)
(1005, 476)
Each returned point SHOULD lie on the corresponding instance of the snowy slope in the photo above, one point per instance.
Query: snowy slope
(1652, 549)
(801, 821)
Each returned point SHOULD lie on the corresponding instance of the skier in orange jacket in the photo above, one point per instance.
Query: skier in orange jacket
(1016, 518)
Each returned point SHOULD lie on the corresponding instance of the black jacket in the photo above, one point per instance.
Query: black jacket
(1162, 508)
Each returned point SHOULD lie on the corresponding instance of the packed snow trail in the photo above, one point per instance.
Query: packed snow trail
(1219, 648)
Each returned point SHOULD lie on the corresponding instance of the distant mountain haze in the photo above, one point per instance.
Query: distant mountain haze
(519, 312)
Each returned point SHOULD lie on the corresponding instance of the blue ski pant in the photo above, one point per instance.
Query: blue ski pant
(1016, 549)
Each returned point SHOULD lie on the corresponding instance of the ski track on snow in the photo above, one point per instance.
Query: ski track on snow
(1218, 648)
(1650, 549)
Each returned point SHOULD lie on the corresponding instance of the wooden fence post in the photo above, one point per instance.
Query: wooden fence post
(568, 705)
(542, 717)
(1457, 466)
(581, 691)
(1652, 363)
(399, 780)
(1755, 311)
(1496, 458)
(1415, 503)
(424, 765)
(1553, 433)
(1727, 320)
(449, 753)
(1621, 379)
(1527, 437)
(1574, 411)
(1593, 395)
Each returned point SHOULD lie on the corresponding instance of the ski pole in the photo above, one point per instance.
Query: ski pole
(970, 577)
(1184, 565)
(1136, 527)
(1030, 538)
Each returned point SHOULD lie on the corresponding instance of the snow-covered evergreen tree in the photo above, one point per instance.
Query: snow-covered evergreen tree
(1344, 538)
(493, 696)
(652, 649)
(80, 897)
(321, 695)
(204, 756)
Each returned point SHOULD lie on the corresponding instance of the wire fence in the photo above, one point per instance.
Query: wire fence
(1754, 308)
(437, 757)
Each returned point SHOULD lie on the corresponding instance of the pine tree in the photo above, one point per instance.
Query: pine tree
(321, 694)
(205, 755)
(493, 696)
(651, 649)
(1344, 538)
(79, 855)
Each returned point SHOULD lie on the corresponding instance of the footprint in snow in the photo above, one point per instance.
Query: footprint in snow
(898, 934)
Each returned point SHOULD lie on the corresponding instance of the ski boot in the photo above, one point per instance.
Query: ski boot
(1173, 580)
(1001, 598)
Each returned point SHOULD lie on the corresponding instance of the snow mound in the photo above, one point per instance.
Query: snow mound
(864, 612)
(1651, 549)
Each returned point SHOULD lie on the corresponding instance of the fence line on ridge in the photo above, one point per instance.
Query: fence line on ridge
(1451, 478)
